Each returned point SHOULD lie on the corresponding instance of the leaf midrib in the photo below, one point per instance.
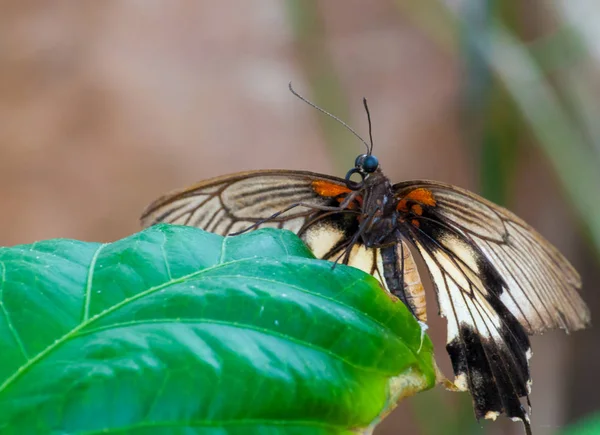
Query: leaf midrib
(88, 284)
(14, 333)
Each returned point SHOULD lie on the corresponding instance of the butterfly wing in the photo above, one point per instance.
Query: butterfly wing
(497, 280)
(538, 284)
(232, 203)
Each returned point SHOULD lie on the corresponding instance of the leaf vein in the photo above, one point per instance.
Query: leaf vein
(88, 285)
(165, 257)
(13, 331)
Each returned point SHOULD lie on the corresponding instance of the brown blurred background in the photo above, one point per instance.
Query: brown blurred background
(104, 105)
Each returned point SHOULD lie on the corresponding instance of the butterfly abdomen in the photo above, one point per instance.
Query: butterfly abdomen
(413, 287)
(402, 278)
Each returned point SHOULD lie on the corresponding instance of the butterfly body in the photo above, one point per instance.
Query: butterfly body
(381, 225)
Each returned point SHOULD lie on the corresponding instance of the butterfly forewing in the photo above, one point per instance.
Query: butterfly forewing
(539, 286)
(225, 205)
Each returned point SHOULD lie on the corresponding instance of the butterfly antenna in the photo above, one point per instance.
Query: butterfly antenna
(336, 118)
(370, 127)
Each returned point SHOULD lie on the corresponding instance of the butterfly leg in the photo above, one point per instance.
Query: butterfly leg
(347, 247)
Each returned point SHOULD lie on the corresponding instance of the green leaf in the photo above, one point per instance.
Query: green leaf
(174, 330)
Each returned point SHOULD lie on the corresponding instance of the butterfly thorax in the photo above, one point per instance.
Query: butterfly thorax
(379, 213)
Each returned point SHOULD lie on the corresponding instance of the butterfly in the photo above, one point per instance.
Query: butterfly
(497, 280)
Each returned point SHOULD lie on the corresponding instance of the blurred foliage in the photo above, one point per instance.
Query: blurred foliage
(587, 426)
(456, 417)
(488, 107)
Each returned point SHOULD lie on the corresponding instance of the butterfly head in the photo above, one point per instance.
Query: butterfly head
(364, 165)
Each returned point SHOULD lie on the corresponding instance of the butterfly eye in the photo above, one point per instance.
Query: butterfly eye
(359, 160)
(370, 164)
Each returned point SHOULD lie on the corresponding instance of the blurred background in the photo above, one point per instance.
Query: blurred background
(106, 105)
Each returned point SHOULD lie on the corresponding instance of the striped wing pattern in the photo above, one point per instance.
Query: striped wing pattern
(539, 286)
(225, 205)
(488, 348)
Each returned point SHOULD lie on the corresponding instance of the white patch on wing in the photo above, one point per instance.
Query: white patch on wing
(492, 415)
(462, 250)
(457, 277)
(542, 286)
(443, 297)
(379, 270)
(321, 238)
(460, 301)
(361, 258)
(461, 382)
(259, 197)
(293, 224)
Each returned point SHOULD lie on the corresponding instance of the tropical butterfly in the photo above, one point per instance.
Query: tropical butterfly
(497, 280)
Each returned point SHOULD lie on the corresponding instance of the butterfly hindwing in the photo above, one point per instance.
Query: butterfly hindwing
(393, 266)
(488, 348)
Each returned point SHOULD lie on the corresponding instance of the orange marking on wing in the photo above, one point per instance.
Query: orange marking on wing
(415, 223)
(417, 209)
(352, 205)
(420, 195)
(325, 188)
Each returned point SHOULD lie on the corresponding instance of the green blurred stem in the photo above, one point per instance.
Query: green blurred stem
(576, 166)
(492, 126)
(325, 87)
